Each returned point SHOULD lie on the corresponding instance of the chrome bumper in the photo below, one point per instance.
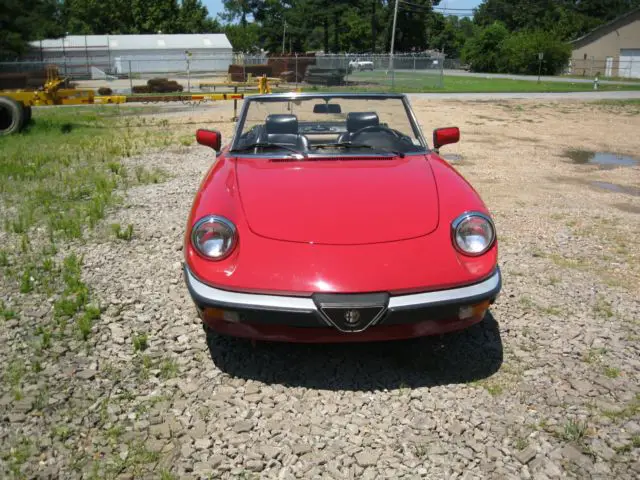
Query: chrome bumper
(205, 295)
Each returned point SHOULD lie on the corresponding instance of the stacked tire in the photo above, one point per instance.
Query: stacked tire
(14, 116)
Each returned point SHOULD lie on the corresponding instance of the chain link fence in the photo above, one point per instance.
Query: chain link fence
(239, 72)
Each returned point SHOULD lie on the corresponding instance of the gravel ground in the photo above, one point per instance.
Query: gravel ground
(547, 386)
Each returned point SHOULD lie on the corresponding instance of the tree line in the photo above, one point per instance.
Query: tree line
(25, 20)
(501, 36)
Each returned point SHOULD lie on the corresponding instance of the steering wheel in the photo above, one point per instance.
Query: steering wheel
(376, 128)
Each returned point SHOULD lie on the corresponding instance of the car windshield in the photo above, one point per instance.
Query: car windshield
(328, 125)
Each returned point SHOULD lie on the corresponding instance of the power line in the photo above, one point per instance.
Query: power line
(436, 8)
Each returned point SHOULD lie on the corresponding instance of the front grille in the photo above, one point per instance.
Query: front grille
(352, 313)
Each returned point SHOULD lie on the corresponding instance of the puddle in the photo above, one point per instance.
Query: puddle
(604, 160)
(607, 186)
(627, 207)
(614, 187)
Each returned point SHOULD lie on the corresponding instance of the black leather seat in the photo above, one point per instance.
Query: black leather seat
(357, 121)
(283, 128)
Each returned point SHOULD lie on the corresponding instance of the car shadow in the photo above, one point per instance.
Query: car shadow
(459, 357)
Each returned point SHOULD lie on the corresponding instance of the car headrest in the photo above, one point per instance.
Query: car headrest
(358, 120)
(282, 123)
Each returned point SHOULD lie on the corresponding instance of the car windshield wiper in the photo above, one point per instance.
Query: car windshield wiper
(273, 146)
(356, 145)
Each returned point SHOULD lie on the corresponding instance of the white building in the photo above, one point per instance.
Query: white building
(145, 55)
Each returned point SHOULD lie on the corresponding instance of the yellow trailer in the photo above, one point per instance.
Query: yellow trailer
(15, 105)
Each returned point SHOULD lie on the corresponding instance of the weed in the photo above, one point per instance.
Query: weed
(526, 302)
(41, 399)
(4, 259)
(568, 262)
(551, 310)
(594, 355)
(168, 369)
(26, 281)
(186, 141)
(45, 339)
(521, 443)
(36, 366)
(603, 308)
(167, 475)
(17, 455)
(612, 372)
(6, 312)
(85, 321)
(14, 373)
(115, 167)
(421, 450)
(145, 177)
(494, 389)
(62, 432)
(120, 234)
(140, 342)
(630, 411)
(574, 431)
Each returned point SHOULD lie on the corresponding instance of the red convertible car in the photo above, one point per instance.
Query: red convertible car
(329, 219)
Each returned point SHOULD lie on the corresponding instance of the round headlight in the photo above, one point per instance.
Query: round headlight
(214, 237)
(473, 233)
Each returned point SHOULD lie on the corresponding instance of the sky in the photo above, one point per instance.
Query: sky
(215, 6)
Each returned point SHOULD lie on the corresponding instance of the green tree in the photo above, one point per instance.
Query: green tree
(244, 38)
(100, 17)
(25, 20)
(566, 18)
(519, 53)
(483, 51)
(154, 16)
(194, 17)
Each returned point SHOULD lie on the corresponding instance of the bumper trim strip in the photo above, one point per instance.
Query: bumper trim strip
(453, 295)
(485, 289)
(247, 300)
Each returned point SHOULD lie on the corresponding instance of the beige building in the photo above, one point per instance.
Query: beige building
(611, 50)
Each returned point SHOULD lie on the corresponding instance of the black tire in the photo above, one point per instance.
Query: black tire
(27, 117)
(11, 116)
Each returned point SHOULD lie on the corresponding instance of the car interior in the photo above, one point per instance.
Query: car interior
(363, 128)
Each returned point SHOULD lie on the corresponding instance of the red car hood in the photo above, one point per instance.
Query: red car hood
(339, 202)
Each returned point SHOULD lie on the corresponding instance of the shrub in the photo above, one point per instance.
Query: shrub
(105, 91)
(494, 49)
(519, 53)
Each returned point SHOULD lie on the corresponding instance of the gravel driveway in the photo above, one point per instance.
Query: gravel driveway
(547, 386)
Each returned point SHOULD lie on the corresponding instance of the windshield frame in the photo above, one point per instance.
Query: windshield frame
(282, 97)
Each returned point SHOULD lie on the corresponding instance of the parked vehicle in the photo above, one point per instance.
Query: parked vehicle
(329, 219)
(360, 65)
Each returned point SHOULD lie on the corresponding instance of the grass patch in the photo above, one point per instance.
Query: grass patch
(7, 312)
(630, 411)
(140, 342)
(612, 372)
(122, 234)
(168, 369)
(17, 455)
(574, 431)
(603, 308)
(420, 81)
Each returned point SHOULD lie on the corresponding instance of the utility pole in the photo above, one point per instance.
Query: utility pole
(284, 33)
(393, 41)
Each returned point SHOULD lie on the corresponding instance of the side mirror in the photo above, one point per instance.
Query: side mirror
(445, 136)
(209, 138)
